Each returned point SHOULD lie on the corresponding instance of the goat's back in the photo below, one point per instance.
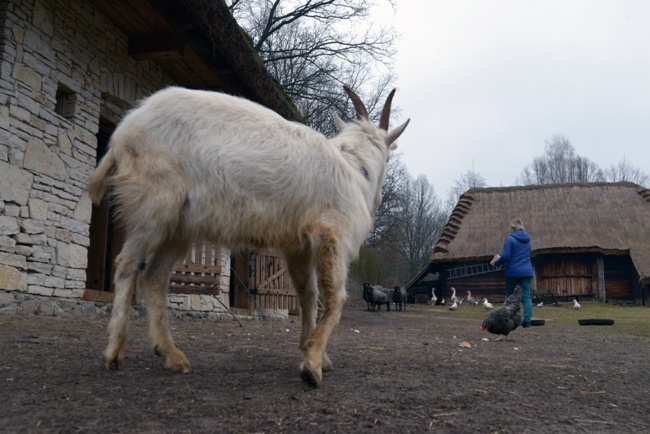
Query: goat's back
(230, 170)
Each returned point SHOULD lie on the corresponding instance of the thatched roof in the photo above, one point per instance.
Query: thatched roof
(607, 217)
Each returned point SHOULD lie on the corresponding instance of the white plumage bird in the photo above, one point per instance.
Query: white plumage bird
(454, 306)
(453, 294)
(487, 305)
(433, 298)
(540, 304)
(576, 305)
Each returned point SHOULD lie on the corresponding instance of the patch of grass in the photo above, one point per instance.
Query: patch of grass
(628, 320)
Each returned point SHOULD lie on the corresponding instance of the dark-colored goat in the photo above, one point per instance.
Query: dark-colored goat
(399, 298)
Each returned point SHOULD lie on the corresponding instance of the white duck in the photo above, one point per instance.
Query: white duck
(442, 302)
(576, 305)
(433, 298)
(453, 294)
(454, 306)
(487, 305)
(540, 304)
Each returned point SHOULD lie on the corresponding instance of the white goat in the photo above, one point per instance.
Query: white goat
(190, 165)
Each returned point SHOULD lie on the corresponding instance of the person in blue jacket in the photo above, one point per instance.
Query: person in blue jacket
(519, 269)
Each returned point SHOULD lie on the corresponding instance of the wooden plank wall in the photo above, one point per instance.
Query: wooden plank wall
(199, 273)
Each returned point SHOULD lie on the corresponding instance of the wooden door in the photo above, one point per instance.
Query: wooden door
(106, 238)
(619, 281)
(567, 275)
(273, 288)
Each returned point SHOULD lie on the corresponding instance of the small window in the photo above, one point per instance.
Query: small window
(65, 101)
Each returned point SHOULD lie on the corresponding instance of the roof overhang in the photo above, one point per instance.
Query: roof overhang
(199, 44)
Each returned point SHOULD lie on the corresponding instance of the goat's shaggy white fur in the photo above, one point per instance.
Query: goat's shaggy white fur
(190, 165)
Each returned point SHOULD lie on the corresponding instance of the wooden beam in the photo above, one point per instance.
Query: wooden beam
(157, 47)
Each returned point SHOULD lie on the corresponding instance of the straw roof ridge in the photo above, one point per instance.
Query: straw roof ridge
(549, 186)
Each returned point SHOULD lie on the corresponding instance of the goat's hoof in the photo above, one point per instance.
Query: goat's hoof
(176, 361)
(113, 358)
(311, 376)
(327, 364)
(113, 363)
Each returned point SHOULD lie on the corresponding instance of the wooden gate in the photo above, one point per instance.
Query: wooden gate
(199, 273)
(272, 283)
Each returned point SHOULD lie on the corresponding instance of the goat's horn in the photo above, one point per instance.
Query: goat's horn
(385, 113)
(362, 113)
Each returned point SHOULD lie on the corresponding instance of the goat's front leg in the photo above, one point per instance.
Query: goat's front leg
(152, 283)
(303, 275)
(332, 269)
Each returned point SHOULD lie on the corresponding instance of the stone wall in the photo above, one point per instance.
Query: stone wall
(63, 48)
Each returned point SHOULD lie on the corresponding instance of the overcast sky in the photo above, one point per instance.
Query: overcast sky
(487, 83)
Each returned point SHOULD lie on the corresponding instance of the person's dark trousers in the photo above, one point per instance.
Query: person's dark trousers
(526, 300)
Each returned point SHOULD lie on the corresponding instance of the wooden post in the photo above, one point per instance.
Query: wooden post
(600, 279)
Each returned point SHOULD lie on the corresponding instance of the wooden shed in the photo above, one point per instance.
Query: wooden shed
(590, 241)
(69, 71)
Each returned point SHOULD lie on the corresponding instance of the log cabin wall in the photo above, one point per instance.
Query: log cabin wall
(491, 286)
(567, 275)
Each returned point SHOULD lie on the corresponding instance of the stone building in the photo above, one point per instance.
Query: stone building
(69, 70)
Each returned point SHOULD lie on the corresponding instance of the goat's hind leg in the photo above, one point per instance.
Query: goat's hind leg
(126, 271)
(153, 283)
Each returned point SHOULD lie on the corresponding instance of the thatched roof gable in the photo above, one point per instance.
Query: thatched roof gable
(588, 217)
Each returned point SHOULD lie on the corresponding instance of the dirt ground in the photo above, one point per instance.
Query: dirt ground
(405, 372)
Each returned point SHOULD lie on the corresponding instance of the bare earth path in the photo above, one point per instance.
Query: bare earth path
(394, 372)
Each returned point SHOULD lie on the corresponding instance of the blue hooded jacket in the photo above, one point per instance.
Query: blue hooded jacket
(516, 255)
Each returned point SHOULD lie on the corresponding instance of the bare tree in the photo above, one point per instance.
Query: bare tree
(412, 222)
(387, 219)
(422, 220)
(314, 46)
(624, 171)
(560, 164)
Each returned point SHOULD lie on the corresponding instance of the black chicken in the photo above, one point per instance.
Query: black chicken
(506, 318)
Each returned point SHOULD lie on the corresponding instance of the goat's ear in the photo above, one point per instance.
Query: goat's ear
(393, 135)
(338, 122)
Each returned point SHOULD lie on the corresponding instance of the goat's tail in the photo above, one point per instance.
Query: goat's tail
(98, 180)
